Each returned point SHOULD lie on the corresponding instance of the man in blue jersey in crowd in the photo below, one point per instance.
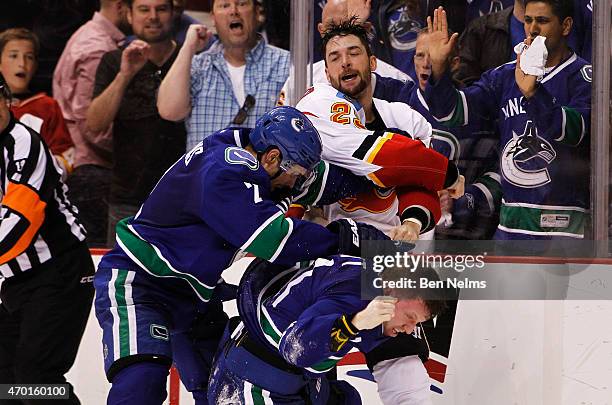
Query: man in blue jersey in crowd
(156, 299)
(297, 323)
(543, 121)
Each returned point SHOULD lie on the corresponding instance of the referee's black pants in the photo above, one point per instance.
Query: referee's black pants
(42, 319)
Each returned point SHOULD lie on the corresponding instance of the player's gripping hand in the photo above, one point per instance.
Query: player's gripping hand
(408, 231)
(458, 189)
(379, 310)
(351, 234)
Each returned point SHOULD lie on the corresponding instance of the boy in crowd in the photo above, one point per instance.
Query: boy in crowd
(19, 49)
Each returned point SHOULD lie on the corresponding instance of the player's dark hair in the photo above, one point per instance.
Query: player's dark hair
(434, 298)
(561, 8)
(343, 29)
(16, 34)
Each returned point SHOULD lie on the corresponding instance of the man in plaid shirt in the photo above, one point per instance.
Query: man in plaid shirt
(234, 82)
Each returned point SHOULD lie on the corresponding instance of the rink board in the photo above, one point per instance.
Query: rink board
(501, 352)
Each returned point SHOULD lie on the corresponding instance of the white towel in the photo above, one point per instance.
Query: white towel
(533, 57)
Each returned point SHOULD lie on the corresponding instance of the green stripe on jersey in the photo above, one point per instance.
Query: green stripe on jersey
(324, 365)
(542, 221)
(257, 395)
(122, 312)
(268, 329)
(269, 238)
(457, 119)
(315, 188)
(153, 263)
(573, 127)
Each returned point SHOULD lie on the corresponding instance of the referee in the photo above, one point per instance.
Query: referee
(47, 290)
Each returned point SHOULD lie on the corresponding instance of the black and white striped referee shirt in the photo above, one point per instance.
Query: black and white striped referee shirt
(37, 222)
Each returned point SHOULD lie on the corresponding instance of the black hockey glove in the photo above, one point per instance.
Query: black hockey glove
(351, 234)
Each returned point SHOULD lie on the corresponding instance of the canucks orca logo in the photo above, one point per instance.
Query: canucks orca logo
(239, 156)
(525, 158)
(403, 31)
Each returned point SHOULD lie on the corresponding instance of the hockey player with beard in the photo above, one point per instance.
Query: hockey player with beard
(339, 113)
(543, 115)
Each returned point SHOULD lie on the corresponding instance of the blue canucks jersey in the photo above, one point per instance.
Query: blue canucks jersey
(212, 204)
(544, 158)
(296, 316)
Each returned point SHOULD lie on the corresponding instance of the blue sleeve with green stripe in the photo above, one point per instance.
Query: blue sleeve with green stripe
(330, 184)
(452, 107)
(568, 123)
(243, 214)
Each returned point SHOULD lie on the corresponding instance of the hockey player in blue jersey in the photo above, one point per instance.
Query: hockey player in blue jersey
(543, 124)
(156, 291)
(297, 323)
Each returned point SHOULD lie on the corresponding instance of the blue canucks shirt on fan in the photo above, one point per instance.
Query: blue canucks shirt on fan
(544, 144)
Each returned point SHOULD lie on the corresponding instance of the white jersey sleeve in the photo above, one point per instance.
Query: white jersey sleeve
(401, 116)
(338, 119)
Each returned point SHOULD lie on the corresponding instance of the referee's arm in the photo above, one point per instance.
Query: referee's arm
(22, 212)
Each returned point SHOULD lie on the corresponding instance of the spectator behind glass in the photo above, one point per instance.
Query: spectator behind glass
(18, 62)
(53, 22)
(488, 41)
(543, 125)
(474, 148)
(144, 144)
(239, 70)
(73, 83)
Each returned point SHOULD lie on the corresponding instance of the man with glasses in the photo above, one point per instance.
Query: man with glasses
(234, 82)
(159, 290)
(144, 144)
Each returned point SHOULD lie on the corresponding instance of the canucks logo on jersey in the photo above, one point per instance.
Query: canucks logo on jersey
(525, 158)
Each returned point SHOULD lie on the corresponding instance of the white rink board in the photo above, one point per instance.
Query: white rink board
(502, 353)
